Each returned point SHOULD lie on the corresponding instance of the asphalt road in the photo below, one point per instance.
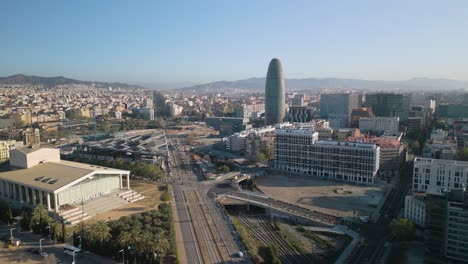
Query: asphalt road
(376, 234)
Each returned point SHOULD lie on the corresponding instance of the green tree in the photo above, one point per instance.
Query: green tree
(26, 222)
(9, 215)
(64, 232)
(40, 219)
(163, 246)
(260, 157)
(98, 232)
(416, 147)
(224, 169)
(403, 229)
(463, 154)
(270, 254)
(269, 153)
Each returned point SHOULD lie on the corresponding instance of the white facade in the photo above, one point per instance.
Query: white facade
(27, 157)
(300, 151)
(118, 115)
(390, 124)
(176, 110)
(436, 175)
(415, 209)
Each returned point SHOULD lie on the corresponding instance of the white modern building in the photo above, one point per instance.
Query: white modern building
(40, 177)
(415, 209)
(176, 110)
(298, 150)
(389, 124)
(436, 175)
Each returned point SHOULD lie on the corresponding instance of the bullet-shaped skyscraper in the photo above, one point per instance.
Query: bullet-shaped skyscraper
(274, 93)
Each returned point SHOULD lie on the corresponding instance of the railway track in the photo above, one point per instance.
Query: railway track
(207, 236)
(265, 232)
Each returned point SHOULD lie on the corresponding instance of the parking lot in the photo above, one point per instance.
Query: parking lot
(330, 197)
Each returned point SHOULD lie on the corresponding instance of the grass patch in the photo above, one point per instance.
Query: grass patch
(291, 240)
(250, 242)
(322, 243)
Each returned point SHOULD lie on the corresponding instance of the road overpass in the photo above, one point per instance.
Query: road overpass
(280, 206)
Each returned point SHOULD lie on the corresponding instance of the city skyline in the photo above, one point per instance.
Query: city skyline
(173, 42)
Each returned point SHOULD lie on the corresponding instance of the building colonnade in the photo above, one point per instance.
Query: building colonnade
(28, 195)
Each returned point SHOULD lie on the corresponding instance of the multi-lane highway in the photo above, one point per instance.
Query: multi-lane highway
(206, 235)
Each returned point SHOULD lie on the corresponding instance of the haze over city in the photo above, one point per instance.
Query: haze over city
(185, 42)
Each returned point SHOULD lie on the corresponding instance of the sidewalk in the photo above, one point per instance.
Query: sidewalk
(178, 234)
(351, 247)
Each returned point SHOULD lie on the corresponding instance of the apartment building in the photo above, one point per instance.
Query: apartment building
(415, 208)
(298, 150)
(436, 175)
(4, 151)
(446, 235)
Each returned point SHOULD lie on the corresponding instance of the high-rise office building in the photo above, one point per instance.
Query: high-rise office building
(300, 114)
(274, 93)
(339, 106)
(389, 105)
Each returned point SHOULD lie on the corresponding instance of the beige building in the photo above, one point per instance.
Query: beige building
(4, 150)
(31, 137)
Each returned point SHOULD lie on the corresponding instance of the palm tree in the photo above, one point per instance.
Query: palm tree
(163, 246)
(99, 232)
(40, 214)
(131, 238)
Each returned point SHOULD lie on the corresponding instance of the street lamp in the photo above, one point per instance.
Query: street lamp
(123, 256)
(11, 232)
(40, 245)
(80, 241)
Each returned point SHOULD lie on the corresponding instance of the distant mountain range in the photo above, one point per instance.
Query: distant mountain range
(258, 84)
(59, 80)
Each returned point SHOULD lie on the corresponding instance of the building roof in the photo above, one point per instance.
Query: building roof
(380, 141)
(30, 149)
(146, 144)
(65, 172)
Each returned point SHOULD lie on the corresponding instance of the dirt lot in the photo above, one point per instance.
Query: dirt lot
(331, 197)
(152, 200)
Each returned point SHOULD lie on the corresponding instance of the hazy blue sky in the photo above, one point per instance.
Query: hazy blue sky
(202, 41)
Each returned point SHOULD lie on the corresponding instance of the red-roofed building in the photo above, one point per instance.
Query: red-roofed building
(391, 152)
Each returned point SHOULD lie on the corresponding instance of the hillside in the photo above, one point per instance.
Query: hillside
(258, 84)
(59, 80)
